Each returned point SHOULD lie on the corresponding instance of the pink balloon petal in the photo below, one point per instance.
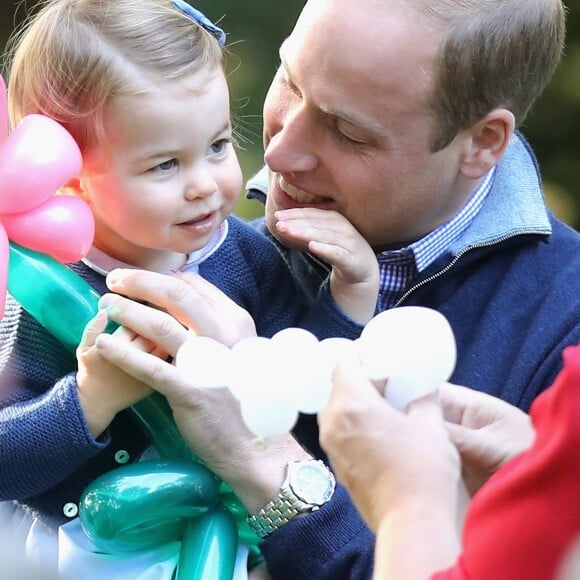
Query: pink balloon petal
(38, 158)
(4, 252)
(62, 227)
(3, 111)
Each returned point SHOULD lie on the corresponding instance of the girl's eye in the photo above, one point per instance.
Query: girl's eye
(166, 165)
(218, 147)
(290, 86)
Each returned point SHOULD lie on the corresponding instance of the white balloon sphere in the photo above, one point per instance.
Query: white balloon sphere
(295, 341)
(334, 350)
(298, 362)
(329, 352)
(414, 347)
(267, 418)
(250, 361)
(203, 362)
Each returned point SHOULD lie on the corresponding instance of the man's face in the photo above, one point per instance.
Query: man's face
(347, 123)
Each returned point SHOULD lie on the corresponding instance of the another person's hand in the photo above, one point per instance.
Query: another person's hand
(402, 471)
(103, 388)
(487, 431)
(385, 458)
(354, 281)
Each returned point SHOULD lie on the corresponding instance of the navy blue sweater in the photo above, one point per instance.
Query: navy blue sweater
(510, 288)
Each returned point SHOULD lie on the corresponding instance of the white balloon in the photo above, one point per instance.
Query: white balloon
(295, 341)
(203, 362)
(334, 350)
(251, 361)
(267, 418)
(330, 351)
(414, 347)
(298, 376)
(410, 383)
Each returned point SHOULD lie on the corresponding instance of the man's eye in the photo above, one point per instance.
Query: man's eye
(349, 141)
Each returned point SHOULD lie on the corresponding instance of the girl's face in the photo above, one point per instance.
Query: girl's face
(166, 174)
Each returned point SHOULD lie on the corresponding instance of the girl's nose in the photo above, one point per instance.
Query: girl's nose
(200, 183)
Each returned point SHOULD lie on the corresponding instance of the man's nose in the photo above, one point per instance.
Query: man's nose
(293, 146)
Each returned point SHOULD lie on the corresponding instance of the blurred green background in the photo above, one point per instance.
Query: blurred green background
(255, 29)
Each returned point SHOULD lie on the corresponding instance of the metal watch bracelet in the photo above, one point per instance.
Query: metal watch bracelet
(276, 513)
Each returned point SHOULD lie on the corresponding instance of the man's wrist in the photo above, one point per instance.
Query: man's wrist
(260, 474)
(307, 486)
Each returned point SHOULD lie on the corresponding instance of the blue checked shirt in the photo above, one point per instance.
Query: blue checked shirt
(398, 268)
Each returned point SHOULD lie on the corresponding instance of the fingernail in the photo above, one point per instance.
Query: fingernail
(105, 300)
(116, 276)
(103, 340)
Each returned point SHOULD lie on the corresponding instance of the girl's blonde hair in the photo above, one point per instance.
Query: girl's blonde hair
(72, 56)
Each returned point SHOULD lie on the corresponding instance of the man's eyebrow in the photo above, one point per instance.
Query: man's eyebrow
(355, 121)
(350, 118)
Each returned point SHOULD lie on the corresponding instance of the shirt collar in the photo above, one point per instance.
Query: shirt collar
(428, 249)
(102, 263)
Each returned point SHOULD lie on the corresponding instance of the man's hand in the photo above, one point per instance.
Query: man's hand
(190, 299)
(208, 419)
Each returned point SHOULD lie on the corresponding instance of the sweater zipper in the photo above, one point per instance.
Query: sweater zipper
(457, 258)
(320, 263)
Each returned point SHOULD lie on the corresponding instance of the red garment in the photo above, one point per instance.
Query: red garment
(524, 520)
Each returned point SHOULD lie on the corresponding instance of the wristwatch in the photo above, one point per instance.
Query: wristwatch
(308, 485)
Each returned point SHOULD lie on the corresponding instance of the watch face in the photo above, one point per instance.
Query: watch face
(312, 483)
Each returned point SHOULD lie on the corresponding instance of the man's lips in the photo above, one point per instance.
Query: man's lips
(299, 195)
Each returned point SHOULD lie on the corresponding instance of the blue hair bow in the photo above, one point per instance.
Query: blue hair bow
(201, 19)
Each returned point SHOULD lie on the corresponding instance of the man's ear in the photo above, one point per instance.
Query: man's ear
(490, 138)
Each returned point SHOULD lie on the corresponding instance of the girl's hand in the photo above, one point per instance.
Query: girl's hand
(354, 281)
(103, 388)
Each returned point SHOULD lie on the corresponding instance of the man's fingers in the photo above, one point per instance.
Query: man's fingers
(460, 436)
(193, 301)
(351, 392)
(154, 325)
(141, 365)
(348, 377)
(177, 295)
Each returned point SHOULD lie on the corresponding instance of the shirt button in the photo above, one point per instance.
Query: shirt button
(121, 456)
(70, 510)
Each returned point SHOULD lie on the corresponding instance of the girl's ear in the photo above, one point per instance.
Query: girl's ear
(490, 138)
(74, 187)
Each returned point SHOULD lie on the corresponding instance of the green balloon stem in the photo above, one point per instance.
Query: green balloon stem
(52, 294)
(208, 547)
(155, 416)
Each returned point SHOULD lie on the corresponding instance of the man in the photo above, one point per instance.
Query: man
(401, 115)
